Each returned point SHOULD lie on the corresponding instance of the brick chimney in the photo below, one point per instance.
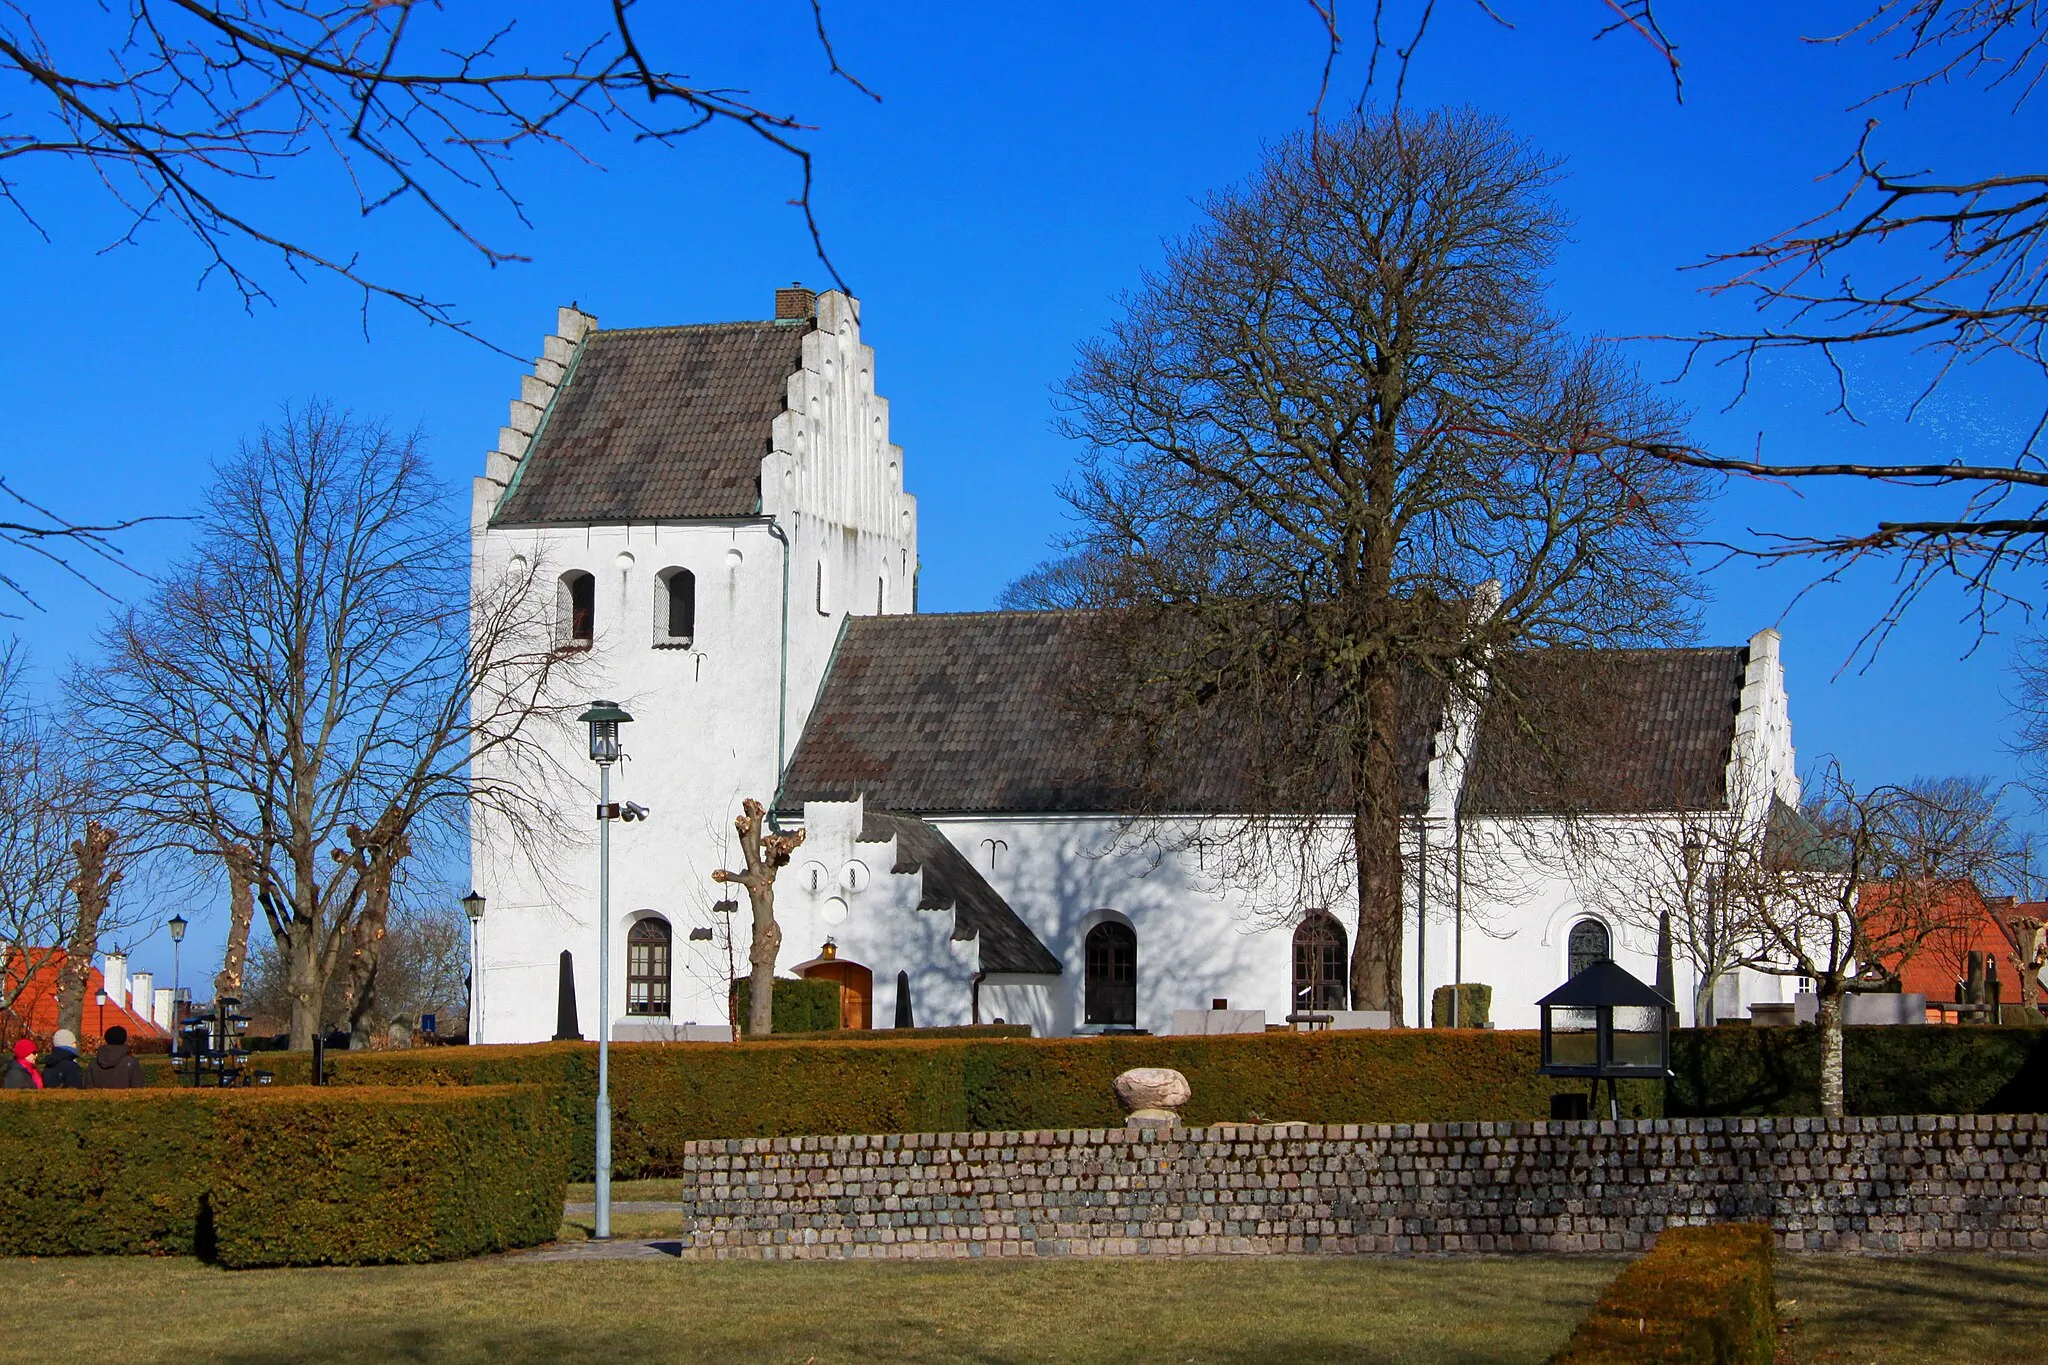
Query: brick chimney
(795, 304)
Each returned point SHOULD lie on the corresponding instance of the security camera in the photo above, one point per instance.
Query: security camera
(632, 810)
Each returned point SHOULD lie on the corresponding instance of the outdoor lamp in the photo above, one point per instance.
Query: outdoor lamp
(473, 906)
(99, 997)
(177, 928)
(603, 718)
(1606, 1025)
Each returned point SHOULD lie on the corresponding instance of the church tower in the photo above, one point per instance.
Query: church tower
(709, 503)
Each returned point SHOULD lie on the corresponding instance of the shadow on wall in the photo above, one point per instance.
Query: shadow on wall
(1192, 946)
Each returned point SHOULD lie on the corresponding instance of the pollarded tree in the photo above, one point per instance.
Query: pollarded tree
(1340, 457)
(300, 701)
(764, 854)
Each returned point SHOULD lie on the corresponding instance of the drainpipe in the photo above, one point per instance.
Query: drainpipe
(974, 995)
(1458, 935)
(782, 683)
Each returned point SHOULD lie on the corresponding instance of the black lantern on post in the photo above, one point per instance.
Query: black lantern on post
(1606, 1025)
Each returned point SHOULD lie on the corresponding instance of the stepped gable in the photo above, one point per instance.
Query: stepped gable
(950, 882)
(658, 423)
(967, 712)
(1609, 731)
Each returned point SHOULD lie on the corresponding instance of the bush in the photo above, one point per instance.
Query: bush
(1892, 1069)
(1701, 1296)
(800, 1004)
(666, 1094)
(105, 1173)
(396, 1175)
(280, 1177)
(1475, 1006)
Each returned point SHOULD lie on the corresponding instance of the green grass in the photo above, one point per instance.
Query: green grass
(666, 1191)
(500, 1311)
(1929, 1310)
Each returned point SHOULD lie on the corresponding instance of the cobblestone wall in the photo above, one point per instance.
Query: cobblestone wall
(1878, 1184)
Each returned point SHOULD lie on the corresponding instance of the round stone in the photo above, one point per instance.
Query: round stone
(1152, 1088)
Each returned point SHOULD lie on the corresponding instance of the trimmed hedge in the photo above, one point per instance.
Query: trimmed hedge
(1700, 1296)
(799, 1004)
(401, 1175)
(104, 1173)
(280, 1177)
(1895, 1069)
(666, 1094)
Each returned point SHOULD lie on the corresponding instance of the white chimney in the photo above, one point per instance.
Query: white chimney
(114, 975)
(142, 994)
(163, 1010)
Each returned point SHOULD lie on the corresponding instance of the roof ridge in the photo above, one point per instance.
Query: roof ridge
(735, 324)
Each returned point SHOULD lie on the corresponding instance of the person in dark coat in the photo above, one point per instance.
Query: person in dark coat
(61, 1071)
(21, 1072)
(114, 1067)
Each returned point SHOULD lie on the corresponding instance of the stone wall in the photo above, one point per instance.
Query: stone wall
(1931, 1183)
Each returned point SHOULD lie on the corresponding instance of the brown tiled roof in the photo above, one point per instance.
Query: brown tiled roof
(1610, 730)
(951, 883)
(970, 711)
(658, 423)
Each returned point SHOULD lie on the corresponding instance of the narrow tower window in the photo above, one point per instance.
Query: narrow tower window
(675, 605)
(576, 610)
(1110, 988)
(1587, 945)
(1321, 964)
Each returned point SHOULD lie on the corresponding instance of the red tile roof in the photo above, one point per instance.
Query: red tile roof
(34, 1011)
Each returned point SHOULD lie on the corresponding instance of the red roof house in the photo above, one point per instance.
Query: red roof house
(34, 1009)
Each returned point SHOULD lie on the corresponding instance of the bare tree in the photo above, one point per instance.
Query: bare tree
(91, 886)
(1947, 266)
(422, 968)
(764, 855)
(1339, 459)
(300, 702)
(36, 828)
(188, 111)
(1855, 890)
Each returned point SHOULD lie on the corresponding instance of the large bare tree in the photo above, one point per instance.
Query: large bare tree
(1339, 458)
(196, 113)
(300, 701)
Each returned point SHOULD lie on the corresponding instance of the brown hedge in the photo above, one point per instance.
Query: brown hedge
(280, 1176)
(104, 1173)
(1700, 1296)
(666, 1094)
(394, 1175)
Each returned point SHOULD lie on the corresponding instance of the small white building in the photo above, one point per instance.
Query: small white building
(726, 521)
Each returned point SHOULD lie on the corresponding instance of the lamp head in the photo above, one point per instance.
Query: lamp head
(604, 719)
(177, 928)
(473, 906)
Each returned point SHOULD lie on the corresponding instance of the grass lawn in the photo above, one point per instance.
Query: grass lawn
(1923, 1309)
(498, 1311)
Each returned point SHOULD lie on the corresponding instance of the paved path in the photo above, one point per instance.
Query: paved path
(618, 1249)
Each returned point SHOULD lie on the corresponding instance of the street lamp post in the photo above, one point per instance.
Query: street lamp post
(177, 928)
(100, 998)
(473, 906)
(604, 718)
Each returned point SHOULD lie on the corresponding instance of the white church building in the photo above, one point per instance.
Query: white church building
(727, 524)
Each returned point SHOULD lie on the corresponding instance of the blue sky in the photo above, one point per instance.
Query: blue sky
(1022, 168)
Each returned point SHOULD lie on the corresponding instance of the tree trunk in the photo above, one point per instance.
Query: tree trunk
(241, 865)
(1376, 836)
(1831, 1087)
(1703, 999)
(302, 976)
(91, 888)
(377, 855)
(761, 960)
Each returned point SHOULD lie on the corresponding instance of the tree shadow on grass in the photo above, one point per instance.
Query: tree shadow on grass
(339, 1343)
(1926, 1308)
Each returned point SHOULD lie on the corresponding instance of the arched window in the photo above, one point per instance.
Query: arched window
(576, 610)
(1322, 965)
(675, 607)
(1110, 991)
(647, 966)
(1588, 944)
